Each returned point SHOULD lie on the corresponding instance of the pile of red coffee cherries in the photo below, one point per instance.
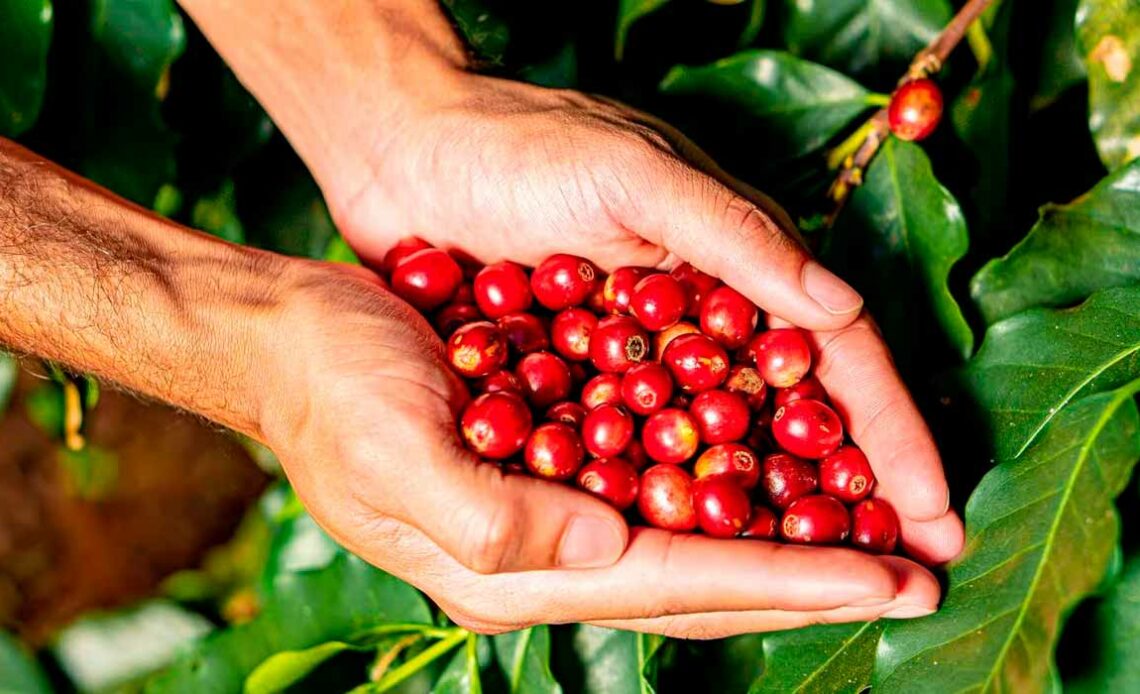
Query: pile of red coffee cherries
(648, 389)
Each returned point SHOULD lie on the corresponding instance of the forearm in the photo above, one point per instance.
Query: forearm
(105, 287)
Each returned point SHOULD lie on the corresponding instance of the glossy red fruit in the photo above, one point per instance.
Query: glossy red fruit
(607, 431)
(875, 526)
(782, 356)
(618, 288)
(603, 389)
(502, 288)
(764, 525)
(818, 519)
(617, 343)
(786, 478)
(732, 459)
(662, 339)
(403, 248)
(427, 278)
(697, 286)
(696, 362)
(596, 302)
(562, 281)
(465, 294)
(915, 109)
(807, 428)
(807, 389)
(747, 382)
(525, 332)
(545, 378)
(670, 436)
(567, 412)
(477, 349)
(635, 454)
(452, 316)
(722, 507)
(554, 451)
(728, 317)
(665, 498)
(611, 479)
(496, 425)
(846, 475)
(721, 416)
(646, 388)
(500, 380)
(570, 333)
(658, 301)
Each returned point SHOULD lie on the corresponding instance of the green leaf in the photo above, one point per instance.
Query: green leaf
(1060, 64)
(462, 673)
(755, 21)
(1040, 532)
(217, 214)
(904, 231)
(338, 251)
(1115, 667)
(22, 674)
(524, 657)
(794, 105)
(1034, 364)
(25, 35)
(1073, 250)
(616, 662)
(9, 372)
(1109, 35)
(629, 11)
(828, 658)
(485, 32)
(281, 670)
(43, 405)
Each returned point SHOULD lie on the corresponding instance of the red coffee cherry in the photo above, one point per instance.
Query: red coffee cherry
(607, 431)
(611, 479)
(635, 454)
(570, 333)
(451, 317)
(807, 428)
(465, 294)
(617, 343)
(562, 281)
(747, 382)
(721, 416)
(567, 412)
(665, 498)
(427, 278)
(554, 451)
(525, 332)
(477, 349)
(596, 302)
(915, 109)
(697, 286)
(545, 378)
(662, 339)
(782, 356)
(496, 425)
(765, 525)
(646, 388)
(603, 389)
(500, 380)
(728, 317)
(722, 507)
(807, 389)
(786, 478)
(817, 520)
(875, 526)
(697, 362)
(658, 302)
(618, 289)
(846, 475)
(502, 288)
(731, 459)
(403, 248)
(670, 436)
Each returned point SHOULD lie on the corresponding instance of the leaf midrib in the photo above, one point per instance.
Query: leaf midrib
(520, 654)
(847, 642)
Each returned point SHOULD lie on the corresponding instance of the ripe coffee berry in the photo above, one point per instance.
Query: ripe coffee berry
(782, 356)
(875, 527)
(545, 378)
(477, 349)
(427, 278)
(502, 288)
(697, 286)
(786, 478)
(452, 316)
(646, 388)
(554, 451)
(500, 380)
(611, 479)
(603, 389)
(915, 109)
(662, 339)
(817, 519)
(807, 428)
(729, 459)
(618, 289)
(722, 507)
(670, 436)
(570, 333)
(607, 431)
(658, 301)
(617, 343)
(496, 425)
(696, 362)
(728, 317)
(562, 281)
(465, 294)
(807, 389)
(567, 412)
(665, 498)
(525, 332)
(764, 525)
(747, 382)
(635, 454)
(403, 248)
(846, 475)
(596, 302)
(721, 416)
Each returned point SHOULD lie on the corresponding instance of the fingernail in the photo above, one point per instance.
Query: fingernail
(590, 542)
(908, 612)
(833, 294)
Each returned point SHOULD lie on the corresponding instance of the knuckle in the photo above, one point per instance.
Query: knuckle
(489, 540)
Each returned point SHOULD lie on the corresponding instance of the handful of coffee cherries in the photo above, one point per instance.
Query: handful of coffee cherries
(654, 391)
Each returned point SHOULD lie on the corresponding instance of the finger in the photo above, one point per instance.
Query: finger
(933, 542)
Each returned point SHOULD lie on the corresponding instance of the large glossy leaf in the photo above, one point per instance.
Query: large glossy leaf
(1032, 365)
(282, 670)
(629, 11)
(1115, 648)
(25, 34)
(1040, 531)
(487, 33)
(830, 658)
(462, 673)
(1109, 34)
(616, 662)
(1060, 65)
(21, 673)
(524, 657)
(1073, 250)
(794, 105)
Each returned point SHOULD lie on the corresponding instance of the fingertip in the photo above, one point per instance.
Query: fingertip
(918, 589)
(832, 294)
(592, 541)
(936, 541)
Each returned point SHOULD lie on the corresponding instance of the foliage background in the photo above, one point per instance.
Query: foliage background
(1001, 257)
